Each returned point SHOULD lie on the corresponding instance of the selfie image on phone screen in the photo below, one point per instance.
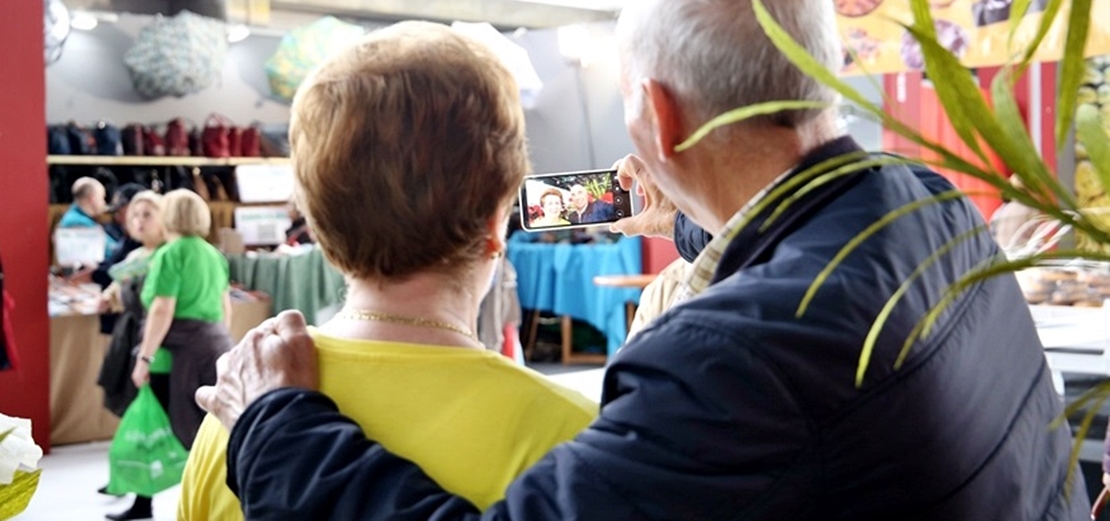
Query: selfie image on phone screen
(573, 200)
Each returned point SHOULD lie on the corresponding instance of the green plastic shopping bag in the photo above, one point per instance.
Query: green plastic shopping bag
(145, 456)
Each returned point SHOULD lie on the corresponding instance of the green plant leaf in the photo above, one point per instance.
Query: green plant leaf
(1051, 10)
(1088, 130)
(1071, 68)
(778, 192)
(862, 236)
(1018, 10)
(884, 314)
(1027, 163)
(958, 85)
(15, 496)
(740, 114)
(810, 66)
(824, 178)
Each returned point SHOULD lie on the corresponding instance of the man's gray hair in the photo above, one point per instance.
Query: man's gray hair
(714, 56)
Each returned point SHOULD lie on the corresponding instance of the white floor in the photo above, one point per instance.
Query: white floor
(67, 488)
(72, 473)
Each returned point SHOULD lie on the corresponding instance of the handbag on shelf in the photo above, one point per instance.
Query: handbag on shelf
(153, 145)
(216, 137)
(81, 141)
(250, 145)
(177, 138)
(57, 140)
(131, 138)
(108, 139)
(195, 145)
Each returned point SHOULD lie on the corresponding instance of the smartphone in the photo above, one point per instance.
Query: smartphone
(573, 200)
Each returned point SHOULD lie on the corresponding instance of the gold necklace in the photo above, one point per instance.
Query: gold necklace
(365, 314)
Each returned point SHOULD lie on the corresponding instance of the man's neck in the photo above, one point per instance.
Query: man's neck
(740, 169)
(85, 209)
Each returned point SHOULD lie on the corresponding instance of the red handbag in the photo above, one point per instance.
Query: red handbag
(251, 142)
(152, 143)
(177, 138)
(215, 137)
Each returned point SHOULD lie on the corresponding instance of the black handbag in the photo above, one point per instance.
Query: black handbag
(81, 141)
(108, 141)
(57, 140)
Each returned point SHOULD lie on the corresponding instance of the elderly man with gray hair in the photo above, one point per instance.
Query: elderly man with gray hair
(733, 404)
(88, 203)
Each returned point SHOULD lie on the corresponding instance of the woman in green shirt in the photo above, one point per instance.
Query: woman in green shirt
(188, 314)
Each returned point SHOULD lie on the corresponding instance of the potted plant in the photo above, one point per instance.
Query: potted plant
(983, 127)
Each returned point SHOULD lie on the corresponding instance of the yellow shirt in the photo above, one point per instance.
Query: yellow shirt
(471, 419)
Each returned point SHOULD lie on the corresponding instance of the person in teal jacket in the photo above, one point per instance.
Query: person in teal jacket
(88, 203)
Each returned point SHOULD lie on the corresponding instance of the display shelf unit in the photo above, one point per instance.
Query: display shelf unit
(164, 160)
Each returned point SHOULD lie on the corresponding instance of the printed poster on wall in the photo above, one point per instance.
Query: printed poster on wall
(975, 30)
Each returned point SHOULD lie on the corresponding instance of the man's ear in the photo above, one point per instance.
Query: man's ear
(667, 117)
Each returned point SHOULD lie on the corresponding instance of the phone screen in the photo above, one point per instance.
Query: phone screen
(573, 200)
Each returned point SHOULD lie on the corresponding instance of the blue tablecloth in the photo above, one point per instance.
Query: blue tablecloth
(559, 278)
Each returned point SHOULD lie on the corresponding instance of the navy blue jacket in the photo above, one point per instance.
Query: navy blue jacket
(729, 406)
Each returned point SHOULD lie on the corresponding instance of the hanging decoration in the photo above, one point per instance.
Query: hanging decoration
(179, 55)
(305, 47)
(55, 21)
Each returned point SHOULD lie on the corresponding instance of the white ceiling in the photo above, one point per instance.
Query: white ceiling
(506, 14)
(596, 5)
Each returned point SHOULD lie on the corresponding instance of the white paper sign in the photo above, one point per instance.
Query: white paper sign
(262, 225)
(264, 183)
(74, 246)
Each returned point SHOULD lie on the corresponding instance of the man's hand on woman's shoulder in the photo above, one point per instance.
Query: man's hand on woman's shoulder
(278, 353)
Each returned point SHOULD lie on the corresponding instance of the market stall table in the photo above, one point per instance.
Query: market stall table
(77, 349)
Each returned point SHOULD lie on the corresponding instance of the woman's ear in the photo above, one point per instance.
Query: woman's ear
(666, 115)
(495, 236)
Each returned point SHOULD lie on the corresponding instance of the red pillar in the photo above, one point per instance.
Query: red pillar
(23, 198)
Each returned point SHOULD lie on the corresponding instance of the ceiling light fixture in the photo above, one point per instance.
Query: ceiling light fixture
(237, 33)
(83, 20)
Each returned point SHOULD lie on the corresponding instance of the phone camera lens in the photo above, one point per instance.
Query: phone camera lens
(618, 200)
(620, 213)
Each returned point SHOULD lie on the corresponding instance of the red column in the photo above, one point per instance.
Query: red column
(23, 198)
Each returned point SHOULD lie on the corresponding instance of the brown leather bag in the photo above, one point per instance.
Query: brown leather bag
(132, 138)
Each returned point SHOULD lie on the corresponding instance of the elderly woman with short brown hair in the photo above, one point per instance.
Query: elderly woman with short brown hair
(408, 150)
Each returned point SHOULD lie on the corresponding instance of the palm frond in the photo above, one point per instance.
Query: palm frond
(740, 114)
(888, 308)
(867, 233)
(1071, 67)
(958, 92)
(1088, 128)
(827, 177)
(1051, 10)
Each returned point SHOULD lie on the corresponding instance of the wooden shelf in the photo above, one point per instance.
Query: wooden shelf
(164, 160)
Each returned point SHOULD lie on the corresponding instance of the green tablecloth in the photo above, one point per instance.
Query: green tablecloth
(304, 282)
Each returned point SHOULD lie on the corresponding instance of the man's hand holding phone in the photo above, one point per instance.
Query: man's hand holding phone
(656, 219)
